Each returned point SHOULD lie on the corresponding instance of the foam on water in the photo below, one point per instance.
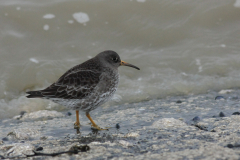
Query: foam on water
(237, 3)
(49, 16)
(46, 27)
(81, 17)
(181, 47)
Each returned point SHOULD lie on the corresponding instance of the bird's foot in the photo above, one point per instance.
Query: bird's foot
(76, 125)
(99, 128)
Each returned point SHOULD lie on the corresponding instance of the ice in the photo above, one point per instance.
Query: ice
(49, 16)
(81, 17)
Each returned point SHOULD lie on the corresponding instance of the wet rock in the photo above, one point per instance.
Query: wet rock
(219, 97)
(234, 97)
(23, 133)
(179, 101)
(18, 149)
(221, 114)
(132, 134)
(168, 122)
(125, 143)
(42, 114)
(18, 117)
(236, 113)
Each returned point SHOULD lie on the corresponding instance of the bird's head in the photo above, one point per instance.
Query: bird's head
(113, 59)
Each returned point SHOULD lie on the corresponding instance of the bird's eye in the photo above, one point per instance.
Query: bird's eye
(115, 59)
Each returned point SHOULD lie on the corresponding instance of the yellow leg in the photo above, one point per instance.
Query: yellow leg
(77, 123)
(94, 125)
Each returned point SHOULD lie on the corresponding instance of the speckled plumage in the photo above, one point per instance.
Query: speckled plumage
(87, 85)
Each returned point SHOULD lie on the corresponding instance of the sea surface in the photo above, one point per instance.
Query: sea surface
(182, 46)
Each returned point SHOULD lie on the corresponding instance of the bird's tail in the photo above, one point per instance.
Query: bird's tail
(34, 94)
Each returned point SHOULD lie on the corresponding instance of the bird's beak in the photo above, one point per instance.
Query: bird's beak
(129, 65)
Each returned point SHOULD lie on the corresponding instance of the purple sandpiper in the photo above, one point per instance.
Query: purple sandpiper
(86, 86)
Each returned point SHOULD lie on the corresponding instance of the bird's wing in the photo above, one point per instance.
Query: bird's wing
(73, 85)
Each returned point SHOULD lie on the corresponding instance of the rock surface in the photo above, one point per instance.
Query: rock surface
(157, 129)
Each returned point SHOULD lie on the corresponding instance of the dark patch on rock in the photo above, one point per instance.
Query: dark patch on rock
(230, 146)
(236, 113)
(69, 114)
(22, 113)
(204, 128)
(75, 149)
(179, 101)
(5, 139)
(39, 149)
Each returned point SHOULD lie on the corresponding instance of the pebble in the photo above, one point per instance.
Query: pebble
(117, 126)
(219, 97)
(179, 101)
(221, 114)
(196, 119)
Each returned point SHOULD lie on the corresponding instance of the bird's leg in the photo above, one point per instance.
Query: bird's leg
(94, 125)
(77, 123)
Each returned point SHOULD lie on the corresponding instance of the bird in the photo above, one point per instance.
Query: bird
(86, 86)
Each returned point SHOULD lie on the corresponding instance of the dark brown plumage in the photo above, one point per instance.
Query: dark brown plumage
(87, 85)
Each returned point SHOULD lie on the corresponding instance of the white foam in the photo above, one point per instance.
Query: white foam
(198, 63)
(46, 27)
(81, 17)
(223, 45)
(141, 1)
(49, 16)
(34, 60)
(70, 21)
(237, 4)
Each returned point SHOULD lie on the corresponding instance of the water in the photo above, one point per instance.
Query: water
(182, 47)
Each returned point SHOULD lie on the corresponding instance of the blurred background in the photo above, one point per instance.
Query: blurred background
(182, 46)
